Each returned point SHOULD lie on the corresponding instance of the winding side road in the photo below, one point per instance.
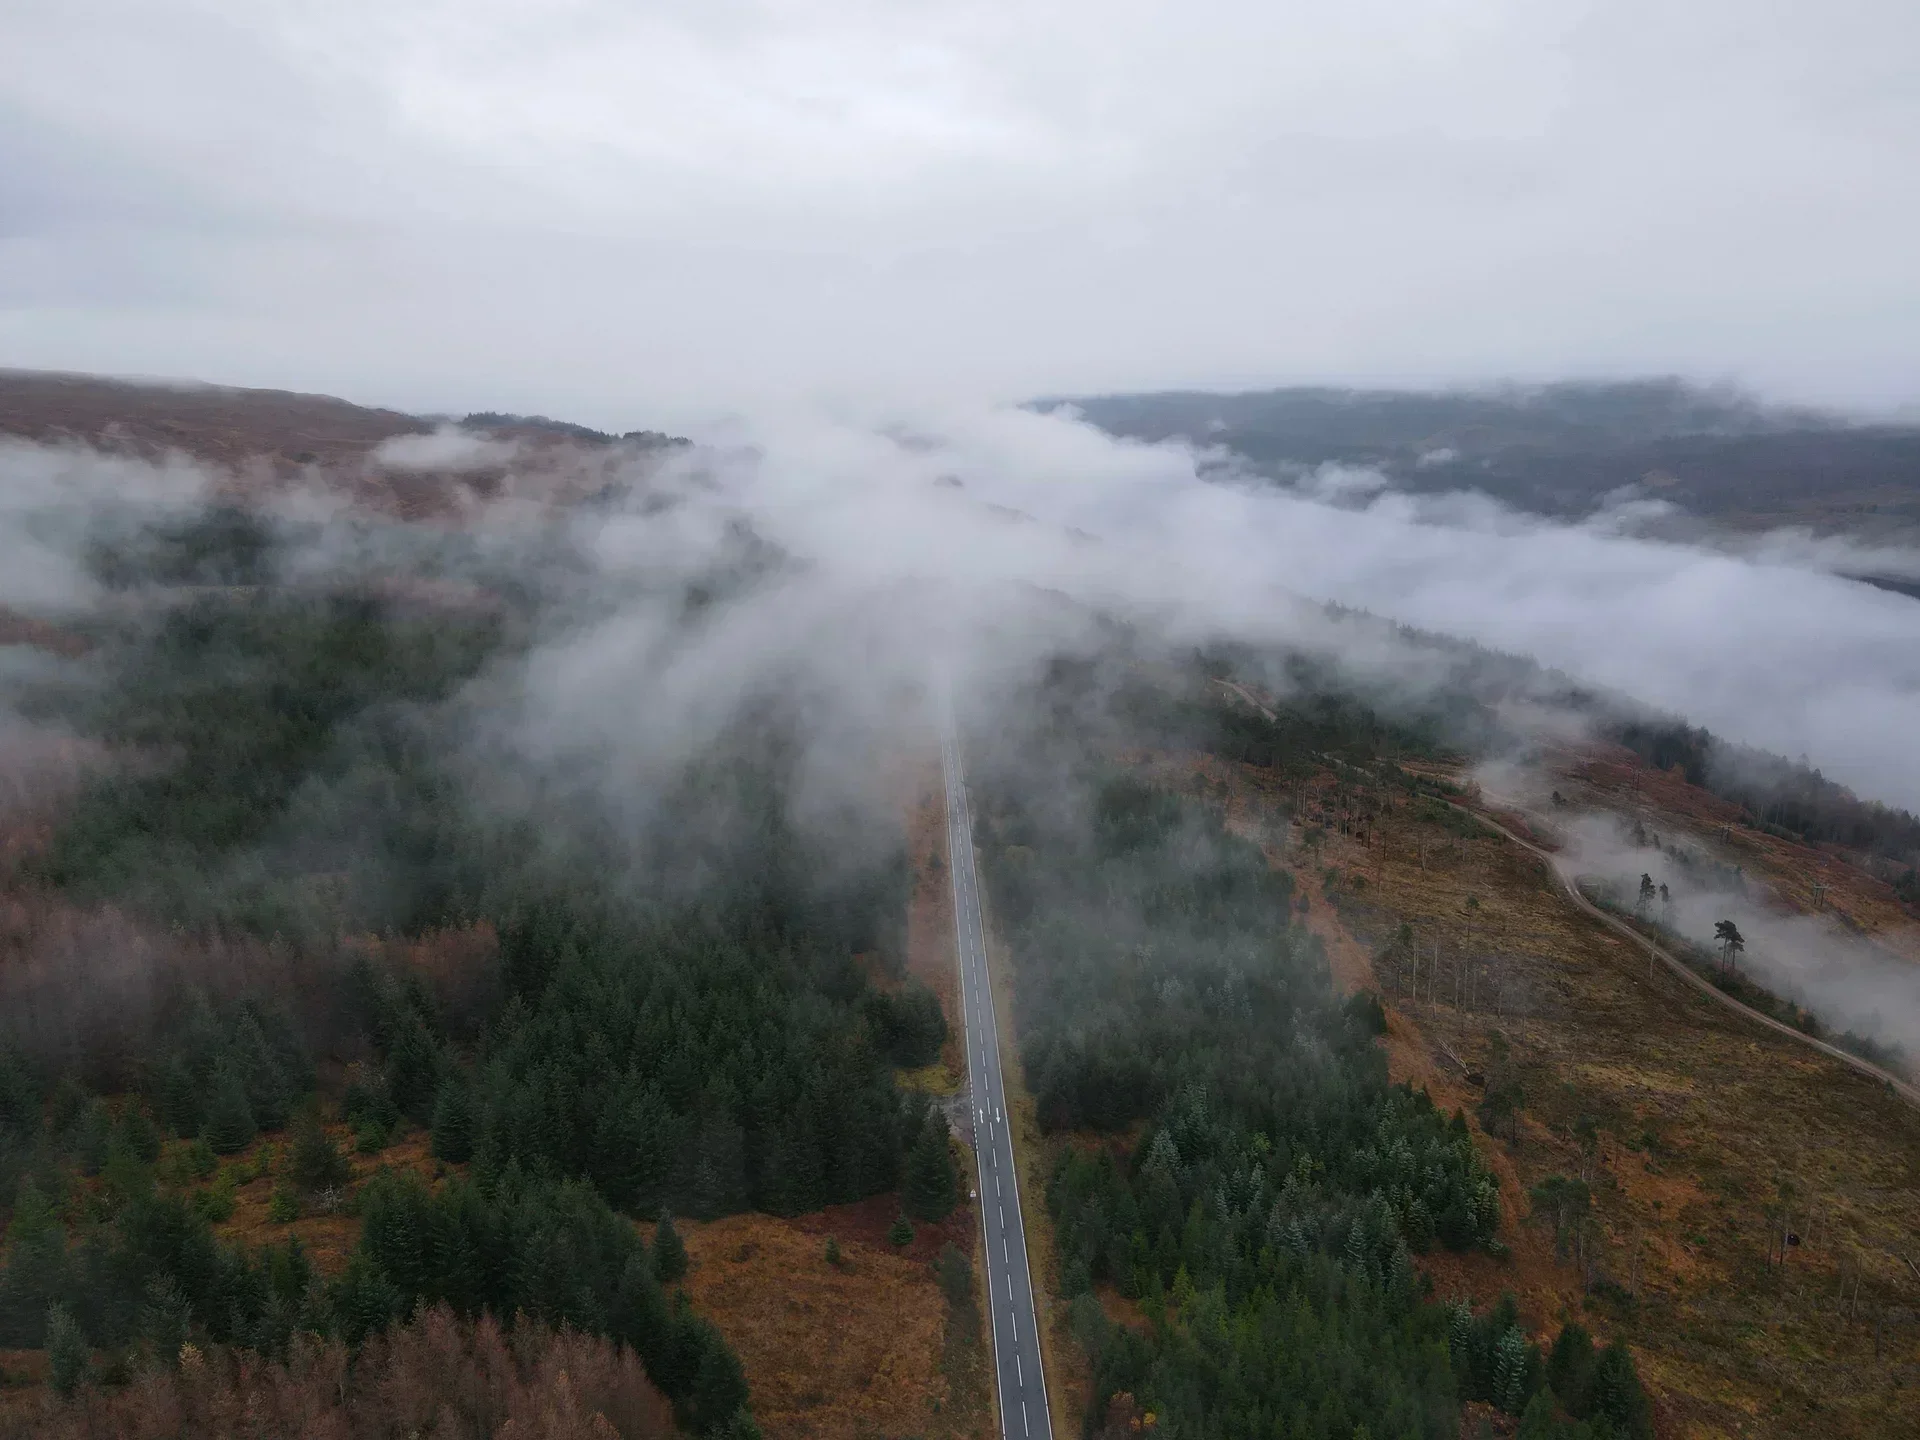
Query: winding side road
(1904, 1089)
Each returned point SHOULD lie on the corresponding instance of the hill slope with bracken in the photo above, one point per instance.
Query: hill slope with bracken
(264, 442)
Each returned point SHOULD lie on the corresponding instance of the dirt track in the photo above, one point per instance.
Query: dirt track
(1904, 1089)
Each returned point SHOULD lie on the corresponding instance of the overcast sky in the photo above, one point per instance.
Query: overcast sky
(622, 211)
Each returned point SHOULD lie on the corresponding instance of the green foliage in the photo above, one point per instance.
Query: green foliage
(932, 1185)
(217, 1201)
(556, 1253)
(229, 1126)
(180, 1098)
(284, 1206)
(1570, 1368)
(67, 1350)
(669, 1251)
(908, 1028)
(900, 1232)
(92, 1134)
(165, 1319)
(315, 1162)
(1267, 1216)
(955, 1274)
(1614, 1394)
(453, 1120)
(832, 1252)
(252, 695)
(136, 1135)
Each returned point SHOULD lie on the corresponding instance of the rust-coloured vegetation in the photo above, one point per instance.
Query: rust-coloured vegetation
(1705, 1141)
(437, 1376)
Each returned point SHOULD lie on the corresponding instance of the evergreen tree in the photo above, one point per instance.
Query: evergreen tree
(137, 1135)
(1570, 1367)
(165, 1318)
(37, 1267)
(453, 1120)
(931, 1188)
(1539, 1421)
(67, 1350)
(315, 1162)
(267, 1086)
(362, 1301)
(229, 1125)
(93, 1134)
(1615, 1395)
(669, 1251)
(900, 1232)
(180, 1099)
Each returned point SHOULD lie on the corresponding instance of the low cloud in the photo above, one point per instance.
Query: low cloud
(1850, 982)
(448, 448)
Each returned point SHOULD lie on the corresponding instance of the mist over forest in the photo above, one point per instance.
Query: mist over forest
(540, 794)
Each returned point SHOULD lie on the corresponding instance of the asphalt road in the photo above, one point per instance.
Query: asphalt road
(1010, 1308)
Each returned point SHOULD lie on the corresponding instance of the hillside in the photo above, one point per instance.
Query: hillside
(1725, 460)
(405, 927)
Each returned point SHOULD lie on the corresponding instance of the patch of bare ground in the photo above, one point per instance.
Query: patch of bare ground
(1713, 1137)
(833, 1352)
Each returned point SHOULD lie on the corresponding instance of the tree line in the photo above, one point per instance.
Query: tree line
(1229, 1152)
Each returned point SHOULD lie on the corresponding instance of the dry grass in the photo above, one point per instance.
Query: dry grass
(328, 1238)
(831, 1352)
(1729, 1343)
(1850, 892)
(868, 1348)
(436, 1376)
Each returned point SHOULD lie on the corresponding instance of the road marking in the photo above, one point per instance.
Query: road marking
(1020, 1371)
(1009, 1287)
(1023, 1419)
(1005, 1259)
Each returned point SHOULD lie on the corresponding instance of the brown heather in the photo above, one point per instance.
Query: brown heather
(438, 1378)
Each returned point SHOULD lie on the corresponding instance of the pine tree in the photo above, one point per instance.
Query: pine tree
(900, 1232)
(37, 1270)
(260, 1072)
(229, 1124)
(67, 1350)
(669, 1251)
(316, 1162)
(1570, 1367)
(931, 1189)
(165, 1318)
(181, 1101)
(137, 1136)
(1615, 1394)
(1510, 1371)
(362, 1301)
(1538, 1421)
(454, 1120)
